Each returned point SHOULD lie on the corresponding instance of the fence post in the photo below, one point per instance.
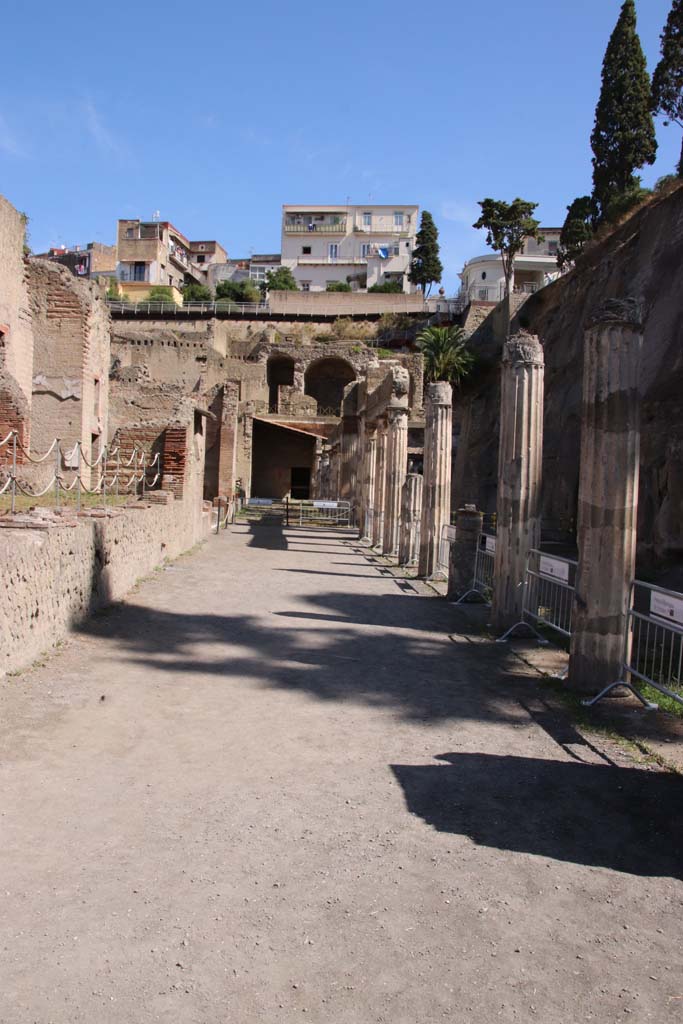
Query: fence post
(118, 469)
(14, 472)
(143, 459)
(105, 452)
(78, 476)
(58, 469)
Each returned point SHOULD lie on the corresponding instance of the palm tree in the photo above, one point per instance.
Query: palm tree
(446, 354)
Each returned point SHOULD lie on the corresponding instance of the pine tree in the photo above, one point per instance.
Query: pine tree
(667, 81)
(623, 137)
(577, 230)
(425, 266)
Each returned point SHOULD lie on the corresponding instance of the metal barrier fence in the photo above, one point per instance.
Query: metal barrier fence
(444, 549)
(482, 582)
(319, 513)
(549, 585)
(368, 523)
(653, 644)
(116, 473)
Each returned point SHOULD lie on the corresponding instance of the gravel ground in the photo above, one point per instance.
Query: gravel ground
(280, 784)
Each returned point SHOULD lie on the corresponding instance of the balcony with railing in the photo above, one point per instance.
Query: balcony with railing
(308, 225)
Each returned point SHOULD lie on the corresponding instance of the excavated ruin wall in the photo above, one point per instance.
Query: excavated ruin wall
(643, 258)
(54, 578)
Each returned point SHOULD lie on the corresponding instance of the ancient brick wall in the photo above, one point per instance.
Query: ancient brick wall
(71, 358)
(16, 333)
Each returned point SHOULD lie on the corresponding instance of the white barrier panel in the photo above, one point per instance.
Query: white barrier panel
(482, 583)
(549, 584)
(653, 644)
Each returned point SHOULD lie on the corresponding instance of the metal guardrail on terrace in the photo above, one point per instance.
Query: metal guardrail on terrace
(190, 308)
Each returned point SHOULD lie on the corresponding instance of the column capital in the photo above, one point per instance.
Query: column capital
(395, 413)
(439, 393)
(523, 349)
(622, 312)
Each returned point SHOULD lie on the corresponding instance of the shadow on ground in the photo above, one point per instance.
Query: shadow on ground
(625, 819)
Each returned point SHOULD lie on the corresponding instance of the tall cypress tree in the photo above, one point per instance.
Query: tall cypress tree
(425, 266)
(623, 137)
(667, 81)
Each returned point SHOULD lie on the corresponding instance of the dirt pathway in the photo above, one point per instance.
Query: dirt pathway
(269, 788)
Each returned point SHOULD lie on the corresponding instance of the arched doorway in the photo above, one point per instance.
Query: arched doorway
(279, 373)
(325, 380)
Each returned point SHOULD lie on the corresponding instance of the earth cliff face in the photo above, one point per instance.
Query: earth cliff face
(643, 259)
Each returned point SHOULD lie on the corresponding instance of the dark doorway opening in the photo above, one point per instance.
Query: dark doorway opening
(300, 486)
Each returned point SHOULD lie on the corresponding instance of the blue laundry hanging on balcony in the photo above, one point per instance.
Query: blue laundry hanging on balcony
(382, 253)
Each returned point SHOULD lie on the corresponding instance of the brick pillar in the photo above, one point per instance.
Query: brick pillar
(411, 511)
(227, 440)
(463, 550)
(519, 473)
(608, 494)
(395, 473)
(380, 464)
(436, 491)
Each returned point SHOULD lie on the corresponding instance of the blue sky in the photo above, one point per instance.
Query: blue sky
(216, 114)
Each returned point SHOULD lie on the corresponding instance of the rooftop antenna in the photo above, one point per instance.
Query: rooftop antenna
(156, 215)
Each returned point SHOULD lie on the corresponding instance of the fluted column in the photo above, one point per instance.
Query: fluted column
(520, 454)
(436, 491)
(395, 474)
(315, 470)
(411, 511)
(369, 469)
(608, 493)
(349, 459)
(380, 463)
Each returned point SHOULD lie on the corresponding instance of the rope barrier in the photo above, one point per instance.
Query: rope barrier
(8, 438)
(39, 494)
(40, 458)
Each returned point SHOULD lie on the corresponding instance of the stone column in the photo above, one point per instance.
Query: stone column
(520, 453)
(315, 469)
(411, 510)
(369, 470)
(608, 494)
(349, 459)
(436, 491)
(463, 550)
(380, 462)
(324, 487)
(395, 474)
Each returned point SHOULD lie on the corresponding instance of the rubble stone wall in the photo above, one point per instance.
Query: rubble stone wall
(54, 578)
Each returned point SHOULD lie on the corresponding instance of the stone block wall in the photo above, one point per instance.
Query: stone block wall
(54, 578)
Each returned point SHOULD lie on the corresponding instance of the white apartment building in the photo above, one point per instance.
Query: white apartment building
(483, 279)
(359, 245)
